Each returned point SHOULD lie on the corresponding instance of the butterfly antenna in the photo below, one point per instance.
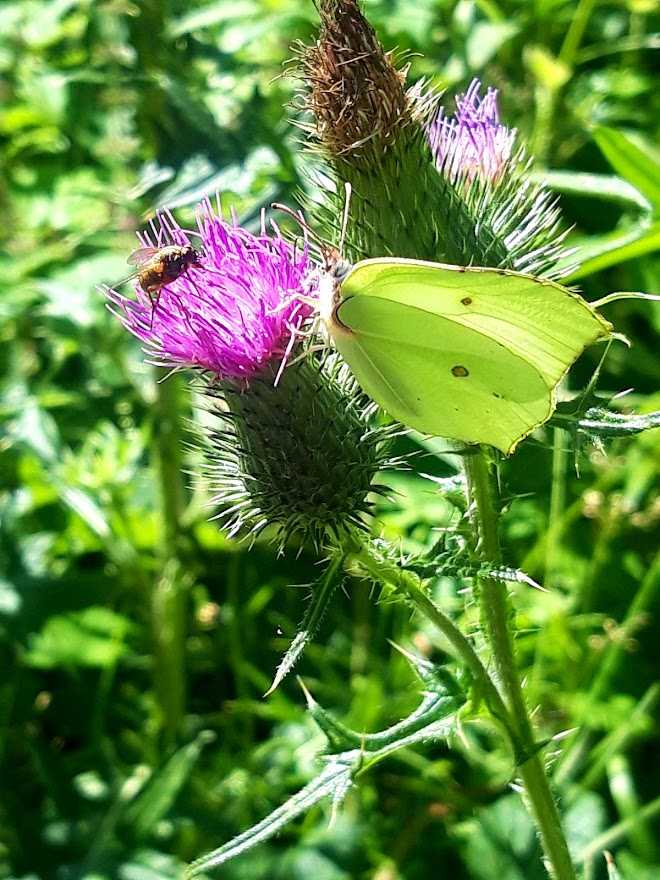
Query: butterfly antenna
(348, 190)
(276, 206)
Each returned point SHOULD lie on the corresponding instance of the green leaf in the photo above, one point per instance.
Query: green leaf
(500, 843)
(146, 864)
(485, 39)
(635, 160)
(597, 186)
(37, 429)
(164, 786)
(601, 252)
(210, 15)
(302, 863)
(633, 868)
(10, 598)
(432, 721)
(92, 637)
(584, 821)
(322, 592)
(333, 781)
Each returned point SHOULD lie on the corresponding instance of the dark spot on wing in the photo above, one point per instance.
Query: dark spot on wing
(498, 396)
(460, 371)
(467, 301)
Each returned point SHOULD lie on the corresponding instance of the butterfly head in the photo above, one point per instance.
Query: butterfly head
(332, 272)
(334, 264)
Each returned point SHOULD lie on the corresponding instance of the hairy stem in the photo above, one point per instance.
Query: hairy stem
(495, 616)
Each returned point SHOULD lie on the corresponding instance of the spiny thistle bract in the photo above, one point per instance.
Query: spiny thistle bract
(424, 186)
(297, 445)
(300, 456)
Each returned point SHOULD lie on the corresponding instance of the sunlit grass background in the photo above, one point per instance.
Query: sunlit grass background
(135, 640)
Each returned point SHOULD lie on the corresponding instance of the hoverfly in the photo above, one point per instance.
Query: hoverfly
(158, 266)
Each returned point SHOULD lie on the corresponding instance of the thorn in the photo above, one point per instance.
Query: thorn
(563, 734)
(270, 690)
(311, 702)
(415, 660)
(333, 814)
(460, 732)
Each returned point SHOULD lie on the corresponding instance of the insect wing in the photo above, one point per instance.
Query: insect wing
(537, 319)
(142, 256)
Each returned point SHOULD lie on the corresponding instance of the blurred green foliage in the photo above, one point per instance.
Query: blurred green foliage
(135, 640)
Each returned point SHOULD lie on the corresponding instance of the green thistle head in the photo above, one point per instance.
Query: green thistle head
(299, 457)
(425, 186)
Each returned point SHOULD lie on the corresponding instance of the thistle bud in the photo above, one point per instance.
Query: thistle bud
(501, 217)
(355, 91)
(425, 185)
(372, 134)
(473, 144)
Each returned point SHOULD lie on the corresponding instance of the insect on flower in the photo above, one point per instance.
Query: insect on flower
(230, 311)
(158, 266)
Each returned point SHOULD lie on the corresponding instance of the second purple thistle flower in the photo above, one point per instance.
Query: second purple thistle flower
(236, 314)
(472, 143)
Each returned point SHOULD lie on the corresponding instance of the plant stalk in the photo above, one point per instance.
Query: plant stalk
(367, 558)
(557, 503)
(617, 832)
(168, 602)
(495, 615)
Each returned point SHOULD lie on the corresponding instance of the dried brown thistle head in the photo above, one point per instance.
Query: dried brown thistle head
(353, 89)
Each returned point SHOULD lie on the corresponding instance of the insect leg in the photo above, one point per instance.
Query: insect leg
(154, 299)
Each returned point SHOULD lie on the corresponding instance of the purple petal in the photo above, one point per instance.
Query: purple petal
(473, 143)
(235, 313)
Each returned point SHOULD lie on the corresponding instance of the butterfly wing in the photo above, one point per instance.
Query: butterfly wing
(471, 354)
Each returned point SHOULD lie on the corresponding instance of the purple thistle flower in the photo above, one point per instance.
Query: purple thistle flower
(234, 314)
(473, 143)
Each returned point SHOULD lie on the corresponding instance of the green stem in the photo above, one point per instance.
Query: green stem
(407, 583)
(624, 795)
(168, 604)
(495, 614)
(576, 31)
(618, 741)
(546, 100)
(560, 452)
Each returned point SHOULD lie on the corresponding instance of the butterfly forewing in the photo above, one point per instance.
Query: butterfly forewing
(468, 353)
